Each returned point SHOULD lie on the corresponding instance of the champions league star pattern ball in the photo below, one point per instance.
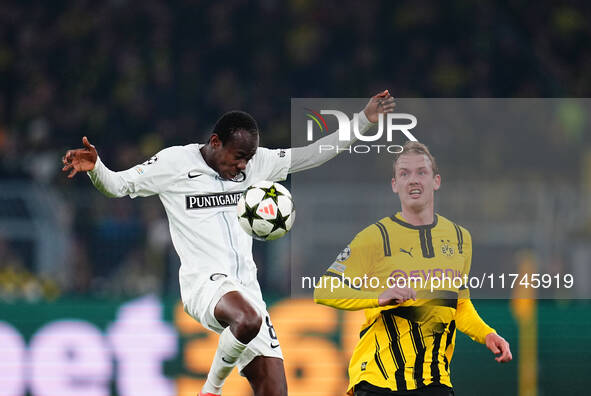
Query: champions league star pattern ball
(265, 210)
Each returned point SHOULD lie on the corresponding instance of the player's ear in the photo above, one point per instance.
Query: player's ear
(437, 182)
(214, 141)
(394, 186)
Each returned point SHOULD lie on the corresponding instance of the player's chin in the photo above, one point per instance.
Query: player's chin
(229, 175)
(414, 203)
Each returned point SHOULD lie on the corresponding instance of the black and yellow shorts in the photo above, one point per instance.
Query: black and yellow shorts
(366, 389)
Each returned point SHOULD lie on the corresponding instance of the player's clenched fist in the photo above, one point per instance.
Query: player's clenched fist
(80, 160)
(381, 103)
(396, 295)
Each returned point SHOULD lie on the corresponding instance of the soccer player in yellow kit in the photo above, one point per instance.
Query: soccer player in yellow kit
(408, 337)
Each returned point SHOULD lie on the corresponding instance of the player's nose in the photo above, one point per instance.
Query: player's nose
(241, 165)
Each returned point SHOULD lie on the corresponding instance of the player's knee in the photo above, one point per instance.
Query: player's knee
(246, 326)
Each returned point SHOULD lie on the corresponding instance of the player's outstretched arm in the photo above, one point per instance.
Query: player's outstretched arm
(303, 158)
(87, 160)
(136, 181)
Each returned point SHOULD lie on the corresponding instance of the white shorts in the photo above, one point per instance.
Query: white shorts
(206, 292)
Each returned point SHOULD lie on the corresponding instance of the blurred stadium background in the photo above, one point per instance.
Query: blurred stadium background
(88, 286)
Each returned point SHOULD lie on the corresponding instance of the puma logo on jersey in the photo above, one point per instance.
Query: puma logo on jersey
(409, 252)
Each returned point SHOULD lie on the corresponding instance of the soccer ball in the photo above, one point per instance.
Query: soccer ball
(265, 210)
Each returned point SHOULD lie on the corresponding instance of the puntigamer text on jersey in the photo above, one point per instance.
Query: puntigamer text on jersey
(212, 200)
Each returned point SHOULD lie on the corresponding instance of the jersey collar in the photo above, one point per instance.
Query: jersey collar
(397, 218)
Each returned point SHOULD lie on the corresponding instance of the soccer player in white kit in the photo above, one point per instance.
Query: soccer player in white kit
(199, 186)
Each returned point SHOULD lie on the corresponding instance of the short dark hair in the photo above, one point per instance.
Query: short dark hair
(411, 147)
(233, 121)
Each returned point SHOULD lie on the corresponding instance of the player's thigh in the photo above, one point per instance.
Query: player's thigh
(267, 375)
(201, 294)
(234, 306)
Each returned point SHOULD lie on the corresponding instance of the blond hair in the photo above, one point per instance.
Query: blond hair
(411, 147)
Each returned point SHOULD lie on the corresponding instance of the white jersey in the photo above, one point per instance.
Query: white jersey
(201, 206)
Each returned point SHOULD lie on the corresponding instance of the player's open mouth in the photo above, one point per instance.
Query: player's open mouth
(415, 193)
(232, 175)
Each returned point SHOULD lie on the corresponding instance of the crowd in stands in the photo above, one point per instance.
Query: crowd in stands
(139, 76)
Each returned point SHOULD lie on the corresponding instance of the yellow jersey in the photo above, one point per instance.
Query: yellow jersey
(410, 345)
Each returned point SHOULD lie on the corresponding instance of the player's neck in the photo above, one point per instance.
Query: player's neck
(424, 216)
(207, 157)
